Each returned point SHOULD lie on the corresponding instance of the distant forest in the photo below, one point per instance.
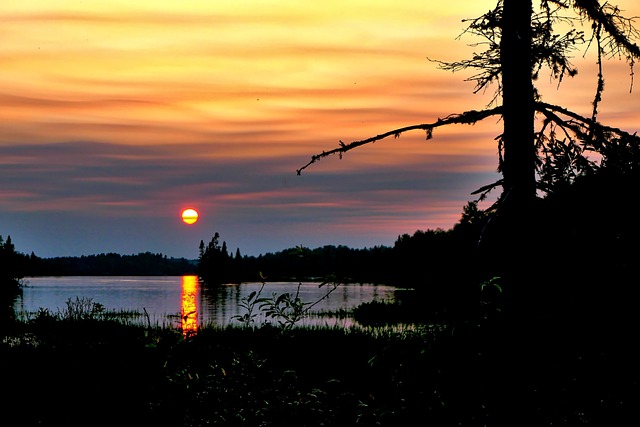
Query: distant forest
(106, 264)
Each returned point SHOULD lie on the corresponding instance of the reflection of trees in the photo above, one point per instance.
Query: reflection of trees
(221, 303)
(214, 302)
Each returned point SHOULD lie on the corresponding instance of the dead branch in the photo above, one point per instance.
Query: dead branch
(585, 122)
(468, 117)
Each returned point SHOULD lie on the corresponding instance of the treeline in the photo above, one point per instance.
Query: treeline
(106, 264)
(216, 265)
(426, 257)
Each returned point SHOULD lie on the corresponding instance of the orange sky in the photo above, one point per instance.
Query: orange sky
(116, 114)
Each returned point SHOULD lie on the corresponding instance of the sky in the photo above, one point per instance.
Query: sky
(116, 115)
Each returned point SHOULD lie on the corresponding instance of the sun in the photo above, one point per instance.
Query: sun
(189, 216)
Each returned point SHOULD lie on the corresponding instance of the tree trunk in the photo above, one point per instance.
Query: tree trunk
(512, 233)
(518, 167)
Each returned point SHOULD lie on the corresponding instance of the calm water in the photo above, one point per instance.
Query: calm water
(182, 301)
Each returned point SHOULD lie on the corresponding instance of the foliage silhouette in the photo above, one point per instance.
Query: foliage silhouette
(12, 265)
(286, 309)
(64, 371)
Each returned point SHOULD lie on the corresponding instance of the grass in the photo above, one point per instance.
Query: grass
(68, 371)
(82, 367)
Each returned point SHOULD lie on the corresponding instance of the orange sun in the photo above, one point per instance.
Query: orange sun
(189, 216)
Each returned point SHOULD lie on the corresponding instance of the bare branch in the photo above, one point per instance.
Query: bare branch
(567, 126)
(586, 122)
(600, 86)
(487, 188)
(468, 117)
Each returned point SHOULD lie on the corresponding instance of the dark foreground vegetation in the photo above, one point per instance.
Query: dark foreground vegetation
(493, 370)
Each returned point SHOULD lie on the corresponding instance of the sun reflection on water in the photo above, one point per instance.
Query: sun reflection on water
(189, 305)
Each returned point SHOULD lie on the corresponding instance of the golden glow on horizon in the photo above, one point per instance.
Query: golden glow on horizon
(189, 314)
(190, 216)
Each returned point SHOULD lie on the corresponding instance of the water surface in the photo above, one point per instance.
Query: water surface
(183, 301)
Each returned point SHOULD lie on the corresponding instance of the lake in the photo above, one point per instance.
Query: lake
(182, 300)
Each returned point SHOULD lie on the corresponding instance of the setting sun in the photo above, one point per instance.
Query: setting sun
(189, 216)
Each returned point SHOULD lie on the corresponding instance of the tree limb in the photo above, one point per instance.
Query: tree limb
(543, 107)
(468, 117)
(473, 116)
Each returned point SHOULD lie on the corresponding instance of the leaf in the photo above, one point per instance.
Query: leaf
(264, 305)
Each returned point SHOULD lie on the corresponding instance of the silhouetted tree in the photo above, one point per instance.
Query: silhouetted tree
(520, 42)
(201, 249)
(215, 265)
(543, 155)
(12, 266)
